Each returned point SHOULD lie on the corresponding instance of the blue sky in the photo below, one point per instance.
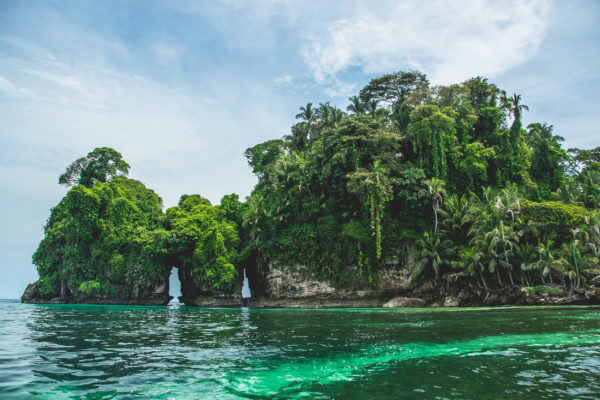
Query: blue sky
(181, 89)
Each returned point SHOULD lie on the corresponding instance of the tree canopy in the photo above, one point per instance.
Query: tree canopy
(100, 165)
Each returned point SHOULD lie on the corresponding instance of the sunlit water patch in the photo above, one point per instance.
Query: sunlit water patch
(110, 352)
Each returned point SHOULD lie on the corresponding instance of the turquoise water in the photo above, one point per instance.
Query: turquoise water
(112, 352)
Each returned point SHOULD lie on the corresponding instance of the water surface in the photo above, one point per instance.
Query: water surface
(114, 352)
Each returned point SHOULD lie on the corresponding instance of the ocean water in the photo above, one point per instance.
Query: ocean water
(175, 352)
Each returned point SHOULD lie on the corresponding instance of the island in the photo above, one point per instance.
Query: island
(416, 195)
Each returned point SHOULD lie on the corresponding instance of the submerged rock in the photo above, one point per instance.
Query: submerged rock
(405, 302)
(451, 301)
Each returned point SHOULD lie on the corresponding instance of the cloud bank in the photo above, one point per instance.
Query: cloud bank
(450, 41)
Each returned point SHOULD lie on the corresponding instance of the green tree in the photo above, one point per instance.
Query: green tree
(516, 108)
(393, 88)
(110, 235)
(356, 106)
(310, 119)
(100, 165)
(433, 134)
(434, 189)
(432, 253)
(474, 164)
(376, 187)
(547, 156)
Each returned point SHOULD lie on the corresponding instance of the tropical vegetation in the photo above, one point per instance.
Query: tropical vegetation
(442, 180)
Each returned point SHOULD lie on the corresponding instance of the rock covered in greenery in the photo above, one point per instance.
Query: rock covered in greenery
(108, 241)
(419, 191)
(205, 249)
(443, 179)
(105, 243)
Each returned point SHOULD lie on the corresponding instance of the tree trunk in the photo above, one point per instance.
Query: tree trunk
(576, 266)
(483, 280)
(508, 267)
(542, 276)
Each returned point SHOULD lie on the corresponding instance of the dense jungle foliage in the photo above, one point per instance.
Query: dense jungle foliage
(109, 236)
(444, 180)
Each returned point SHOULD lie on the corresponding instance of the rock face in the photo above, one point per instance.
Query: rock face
(158, 296)
(282, 286)
(276, 285)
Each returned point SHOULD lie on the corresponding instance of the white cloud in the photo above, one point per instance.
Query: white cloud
(67, 81)
(177, 141)
(338, 88)
(8, 87)
(283, 80)
(449, 40)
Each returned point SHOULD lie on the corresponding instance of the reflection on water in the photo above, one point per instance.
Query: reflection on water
(49, 352)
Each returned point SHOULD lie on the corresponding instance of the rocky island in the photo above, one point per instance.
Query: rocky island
(417, 196)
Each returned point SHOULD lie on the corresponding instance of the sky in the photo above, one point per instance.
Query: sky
(182, 88)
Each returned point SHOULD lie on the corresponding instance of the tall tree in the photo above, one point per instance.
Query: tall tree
(516, 109)
(434, 189)
(309, 116)
(393, 88)
(356, 106)
(432, 253)
(375, 185)
(100, 165)
(547, 157)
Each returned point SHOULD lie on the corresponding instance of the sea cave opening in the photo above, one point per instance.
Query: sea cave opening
(174, 286)
(246, 293)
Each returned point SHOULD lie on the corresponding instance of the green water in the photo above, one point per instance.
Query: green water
(110, 352)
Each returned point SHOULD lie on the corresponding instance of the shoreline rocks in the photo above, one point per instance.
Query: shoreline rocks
(282, 286)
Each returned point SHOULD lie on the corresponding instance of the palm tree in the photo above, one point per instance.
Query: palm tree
(547, 156)
(457, 215)
(309, 117)
(252, 215)
(509, 202)
(516, 108)
(471, 261)
(432, 254)
(335, 117)
(436, 192)
(591, 188)
(500, 243)
(323, 111)
(357, 106)
(299, 137)
(542, 133)
(547, 263)
(527, 254)
(567, 192)
(575, 254)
